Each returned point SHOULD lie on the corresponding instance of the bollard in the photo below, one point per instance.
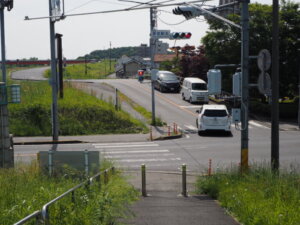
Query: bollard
(50, 162)
(143, 168)
(86, 162)
(169, 130)
(184, 192)
(209, 167)
(151, 138)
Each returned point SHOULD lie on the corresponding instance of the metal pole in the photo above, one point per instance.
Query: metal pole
(184, 192)
(144, 192)
(110, 56)
(275, 88)
(245, 84)
(6, 160)
(86, 162)
(60, 65)
(54, 109)
(152, 52)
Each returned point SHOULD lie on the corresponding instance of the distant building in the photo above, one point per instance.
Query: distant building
(161, 47)
(128, 66)
(230, 10)
(143, 51)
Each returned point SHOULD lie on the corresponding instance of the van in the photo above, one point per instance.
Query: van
(194, 90)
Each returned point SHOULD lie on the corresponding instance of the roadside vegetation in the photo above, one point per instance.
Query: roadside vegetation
(25, 189)
(259, 197)
(96, 70)
(79, 113)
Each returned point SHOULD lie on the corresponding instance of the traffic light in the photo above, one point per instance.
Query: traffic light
(7, 3)
(180, 35)
(141, 72)
(188, 12)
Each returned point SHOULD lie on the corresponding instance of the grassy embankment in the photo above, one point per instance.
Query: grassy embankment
(79, 113)
(25, 190)
(257, 198)
(97, 70)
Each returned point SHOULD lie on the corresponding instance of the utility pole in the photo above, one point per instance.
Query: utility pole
(6, 160)
(54, 107)
(153, 19)
(275, 88)
(60, 64)
(110, 56)
(245, 85)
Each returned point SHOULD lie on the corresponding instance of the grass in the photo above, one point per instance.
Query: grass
(25, 190)
(79, 113)
(259, 197)
(98, 70)
(146, 114)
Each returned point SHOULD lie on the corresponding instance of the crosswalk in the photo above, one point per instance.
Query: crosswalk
(188, 128)
(133, 154)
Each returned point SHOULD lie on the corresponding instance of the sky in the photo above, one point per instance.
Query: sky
(83, 34)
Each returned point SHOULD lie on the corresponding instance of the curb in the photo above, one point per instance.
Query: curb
(161, 138)
(49, 142)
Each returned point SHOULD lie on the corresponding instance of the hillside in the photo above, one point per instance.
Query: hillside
(115, 53)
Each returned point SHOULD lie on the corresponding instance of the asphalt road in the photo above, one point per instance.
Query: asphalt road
(192, 149)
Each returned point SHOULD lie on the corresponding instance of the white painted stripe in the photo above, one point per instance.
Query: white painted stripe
(187, 136)
(257, 124)
(145, 155)
(132, 152)
(191, 127)
(190, 106)
(125, 146)
(123, 143)
(148, 160)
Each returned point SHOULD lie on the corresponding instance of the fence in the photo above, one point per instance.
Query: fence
(43, 217)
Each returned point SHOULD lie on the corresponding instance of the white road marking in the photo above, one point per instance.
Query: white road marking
(122, 143)
(190, 127)
(148, 160)
(125, 146)
(146, 155)
(258, 125)
(137, 151)
(190, 106)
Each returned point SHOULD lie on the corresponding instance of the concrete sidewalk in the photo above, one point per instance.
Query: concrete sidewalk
(165, 206)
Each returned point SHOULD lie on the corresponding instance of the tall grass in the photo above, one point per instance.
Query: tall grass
(79, 113)
(25, 190)
(97, 70)
(257, 198)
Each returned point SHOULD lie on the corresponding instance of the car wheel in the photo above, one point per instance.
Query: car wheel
(190, 100)
(183, 98)
(161, 89)
(200, 132)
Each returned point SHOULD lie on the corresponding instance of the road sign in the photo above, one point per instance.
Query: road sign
(56, 10)
(160, 34)
(264, 84)
(264, 60)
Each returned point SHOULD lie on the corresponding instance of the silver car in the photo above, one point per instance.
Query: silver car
(213, 117)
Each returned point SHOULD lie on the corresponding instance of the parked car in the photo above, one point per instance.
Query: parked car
(167, 82)
(194, 90)
(213, 117)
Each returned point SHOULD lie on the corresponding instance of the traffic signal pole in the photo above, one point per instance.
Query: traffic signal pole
(245, 85)
(54, 106)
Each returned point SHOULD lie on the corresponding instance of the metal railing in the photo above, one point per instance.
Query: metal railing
(43, 217)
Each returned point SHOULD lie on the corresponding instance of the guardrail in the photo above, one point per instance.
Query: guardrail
(43, 217)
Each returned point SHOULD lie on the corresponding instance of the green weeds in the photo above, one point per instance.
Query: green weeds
(257, 198)
(25, 190)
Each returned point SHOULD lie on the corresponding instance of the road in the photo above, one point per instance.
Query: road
(192, 149)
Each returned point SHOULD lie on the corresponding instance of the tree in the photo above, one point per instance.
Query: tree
(223, 42)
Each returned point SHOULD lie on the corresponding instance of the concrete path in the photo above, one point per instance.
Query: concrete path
(165, 206)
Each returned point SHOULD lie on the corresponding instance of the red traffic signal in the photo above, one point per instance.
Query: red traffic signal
(141, 72)
(180, 35)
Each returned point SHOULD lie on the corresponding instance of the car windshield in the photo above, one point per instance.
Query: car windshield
(199, 86)
(215, 113)
(168, 76)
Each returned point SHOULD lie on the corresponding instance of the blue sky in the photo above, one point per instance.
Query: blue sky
(84, 34)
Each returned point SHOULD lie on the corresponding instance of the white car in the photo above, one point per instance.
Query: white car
(213, 117)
